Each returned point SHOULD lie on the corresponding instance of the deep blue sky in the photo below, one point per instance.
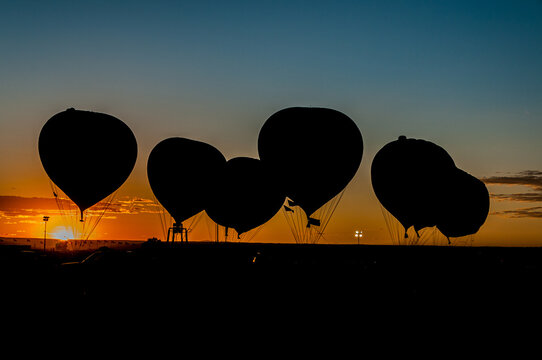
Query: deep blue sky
(464, 74)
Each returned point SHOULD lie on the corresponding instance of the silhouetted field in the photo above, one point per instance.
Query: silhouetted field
(207, 275)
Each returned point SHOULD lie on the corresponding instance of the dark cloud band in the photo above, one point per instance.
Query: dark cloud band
(24, 207)
(533, 212)
(529, 178)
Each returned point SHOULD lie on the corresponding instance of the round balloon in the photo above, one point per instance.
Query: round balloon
(466, 205)
(315, 151)
(88, 155)
(406, 176)
(180, 172)
(244, 195)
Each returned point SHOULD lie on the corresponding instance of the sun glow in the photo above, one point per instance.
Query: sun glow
(61, 233)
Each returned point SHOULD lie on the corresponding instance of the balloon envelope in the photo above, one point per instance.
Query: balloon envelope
(88, 155)
(315, 151)
(466, 205)
(406, 176)
(180, 172)
(244, 195)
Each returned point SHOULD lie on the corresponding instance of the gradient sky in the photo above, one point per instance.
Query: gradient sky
(466, 75)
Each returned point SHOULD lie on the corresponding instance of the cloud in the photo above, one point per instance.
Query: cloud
(532, 212)
(530, 178)
(9, 203)
(523, 197)
(129, 205)
(16, 209)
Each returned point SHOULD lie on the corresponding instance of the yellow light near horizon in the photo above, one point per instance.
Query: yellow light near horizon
(61, 233)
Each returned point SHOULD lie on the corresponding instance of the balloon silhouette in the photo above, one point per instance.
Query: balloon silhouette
(88, 155)
(406, 175)
(180, 172)
(244, 195)
(466, 205)
(316, 152)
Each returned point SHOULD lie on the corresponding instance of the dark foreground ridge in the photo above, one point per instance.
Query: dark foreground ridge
(203, 274)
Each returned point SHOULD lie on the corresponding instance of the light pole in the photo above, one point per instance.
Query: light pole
(358, 234)
(45, 219)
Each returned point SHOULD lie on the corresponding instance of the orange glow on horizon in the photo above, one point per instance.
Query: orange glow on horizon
(139, 218)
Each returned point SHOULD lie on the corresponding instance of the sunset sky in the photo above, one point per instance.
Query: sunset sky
(466, 75)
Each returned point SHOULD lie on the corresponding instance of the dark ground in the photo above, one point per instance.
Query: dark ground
(279, 292)
(196, 273)
(225, 289)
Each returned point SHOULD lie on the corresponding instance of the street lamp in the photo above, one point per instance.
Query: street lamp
(45, 219)
(358, 234)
